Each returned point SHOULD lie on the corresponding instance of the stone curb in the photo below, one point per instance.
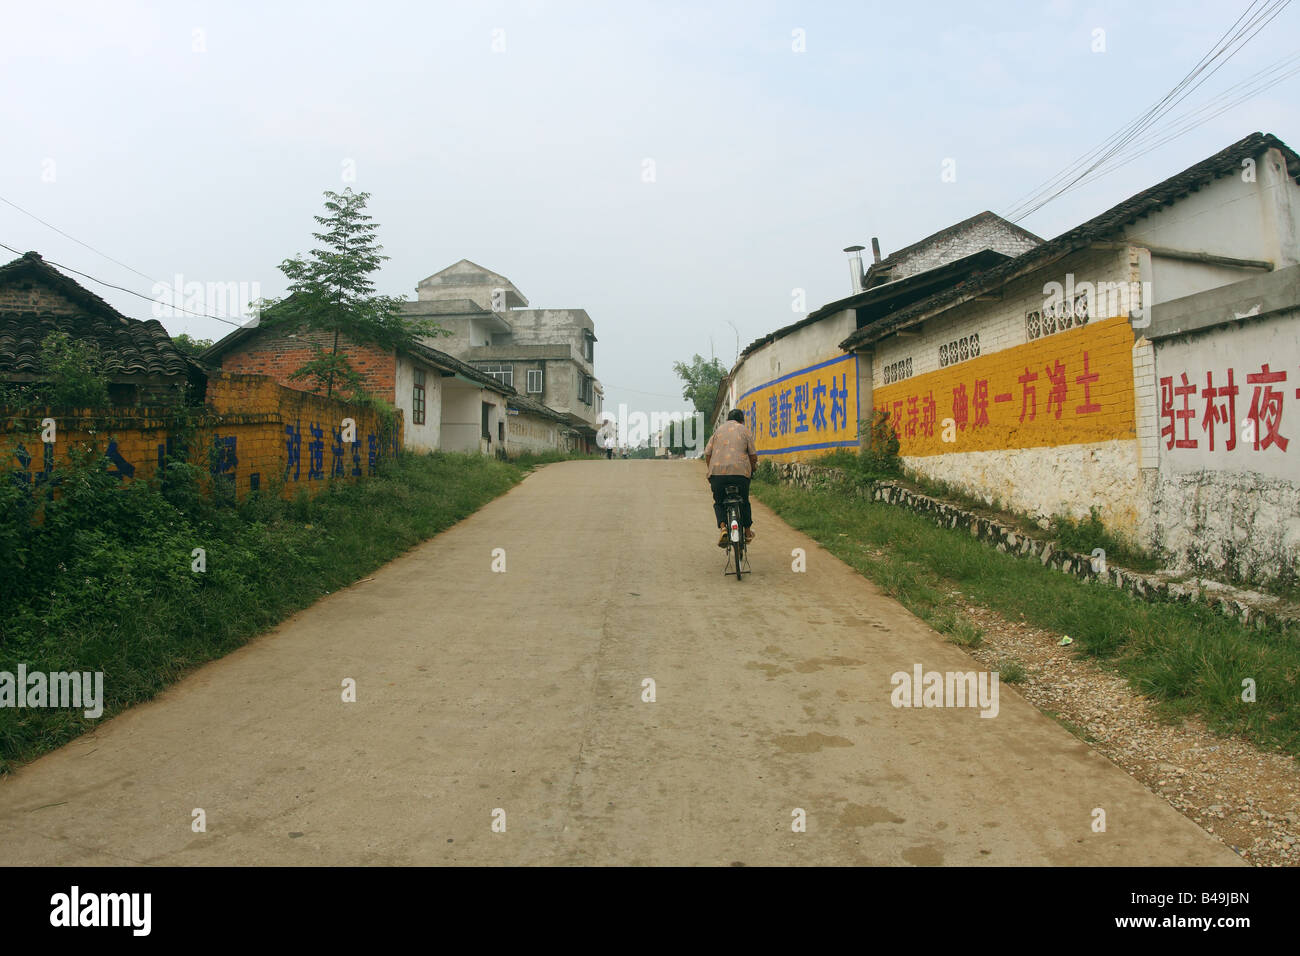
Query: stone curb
(1010, 541)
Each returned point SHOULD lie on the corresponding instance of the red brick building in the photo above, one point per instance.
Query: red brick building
(446, 404)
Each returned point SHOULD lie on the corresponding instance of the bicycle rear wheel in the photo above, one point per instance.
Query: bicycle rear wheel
(738, 546)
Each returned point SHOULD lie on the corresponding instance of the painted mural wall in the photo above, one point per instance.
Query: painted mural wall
(809, 410)
(1228, 492)
(800, 392)
(1045, 427)
(253, 435)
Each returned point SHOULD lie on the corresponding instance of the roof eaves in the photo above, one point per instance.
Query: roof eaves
(1102, 226)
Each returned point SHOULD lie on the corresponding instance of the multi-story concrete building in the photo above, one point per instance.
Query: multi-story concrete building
(546, 355)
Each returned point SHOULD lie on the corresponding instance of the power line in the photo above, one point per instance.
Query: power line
(74, 239)
(119, 288)
(1224, 49)
(1168, 133)
(1119, 138)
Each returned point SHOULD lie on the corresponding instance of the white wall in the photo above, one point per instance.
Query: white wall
(1238, 509)
(424, 437)
(461, 421)
(531, 434)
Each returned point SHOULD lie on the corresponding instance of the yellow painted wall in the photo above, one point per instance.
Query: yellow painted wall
(1078, 389)
(263, 434)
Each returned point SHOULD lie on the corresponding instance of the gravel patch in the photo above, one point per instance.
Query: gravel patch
(1244, 796)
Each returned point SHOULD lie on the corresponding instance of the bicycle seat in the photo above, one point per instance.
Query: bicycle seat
(732, 489)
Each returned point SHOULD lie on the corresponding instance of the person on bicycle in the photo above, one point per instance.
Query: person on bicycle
(731, 458)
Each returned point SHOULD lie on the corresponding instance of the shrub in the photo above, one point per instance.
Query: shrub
(76, 372)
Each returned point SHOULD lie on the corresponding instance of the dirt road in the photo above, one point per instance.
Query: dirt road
(516, 698)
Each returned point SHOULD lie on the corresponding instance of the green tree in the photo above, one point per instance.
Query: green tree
(701, 380)
(331, 291)
(190, 347)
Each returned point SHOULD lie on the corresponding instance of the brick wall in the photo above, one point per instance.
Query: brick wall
(35, 297)
(276, 355)
(254, 435)
(975, 238)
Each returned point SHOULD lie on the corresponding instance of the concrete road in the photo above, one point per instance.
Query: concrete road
(517, 698)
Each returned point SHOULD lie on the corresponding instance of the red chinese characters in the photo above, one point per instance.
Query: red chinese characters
(1260, 429)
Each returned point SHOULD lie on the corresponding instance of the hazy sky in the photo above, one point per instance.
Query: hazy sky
(198, 138)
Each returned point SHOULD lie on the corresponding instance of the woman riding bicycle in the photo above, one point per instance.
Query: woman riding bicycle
(731, 458)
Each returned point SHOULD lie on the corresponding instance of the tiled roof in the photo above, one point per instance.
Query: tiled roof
(131, 348)
(534, 407)
(213, 354)
(1227, 162)
(453, 364)
(887, 263)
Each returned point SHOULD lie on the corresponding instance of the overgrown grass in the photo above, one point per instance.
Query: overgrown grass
(1012, 672)
(1085, 535)
(1081, 536)
(1189, 659)
(104, 582)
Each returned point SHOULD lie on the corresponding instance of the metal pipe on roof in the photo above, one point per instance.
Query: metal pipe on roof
(855, 266)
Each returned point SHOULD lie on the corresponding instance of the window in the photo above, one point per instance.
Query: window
(966, 347)
(487, 421)
(505, 374)
(417, 398)
(584, 389)
(588, 345)
(534, 381)
(501, 431)
(1057, 316)
(897, 371)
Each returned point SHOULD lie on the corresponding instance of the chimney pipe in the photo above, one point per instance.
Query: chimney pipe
(875, 248)
(855, 266)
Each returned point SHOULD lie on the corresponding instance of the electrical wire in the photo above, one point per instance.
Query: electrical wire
(119, 288)
(1124, 140)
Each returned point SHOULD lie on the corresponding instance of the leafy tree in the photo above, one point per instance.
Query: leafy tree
(701, 380)
(331, 291)
(75, 368)
(190, 347)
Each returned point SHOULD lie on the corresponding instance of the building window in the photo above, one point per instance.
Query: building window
(897, 371)
(487, 421)
(588, 346)
(1057, 317)
(534, 381)
(501, 431)
(505, 374)
(584, 389)
(966, 347)
(417, 398)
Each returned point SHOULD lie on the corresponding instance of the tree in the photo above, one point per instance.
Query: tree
(190, 347)
(701, 386)
(331, 291)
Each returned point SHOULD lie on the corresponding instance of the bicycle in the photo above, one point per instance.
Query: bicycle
(731, 505)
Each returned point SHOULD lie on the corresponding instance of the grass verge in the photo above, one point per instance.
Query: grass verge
(105, 582)
(1189, 659)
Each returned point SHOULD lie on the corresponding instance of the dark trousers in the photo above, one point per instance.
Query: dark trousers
(719, 484)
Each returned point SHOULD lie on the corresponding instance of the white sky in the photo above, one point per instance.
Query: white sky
(529, 161)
